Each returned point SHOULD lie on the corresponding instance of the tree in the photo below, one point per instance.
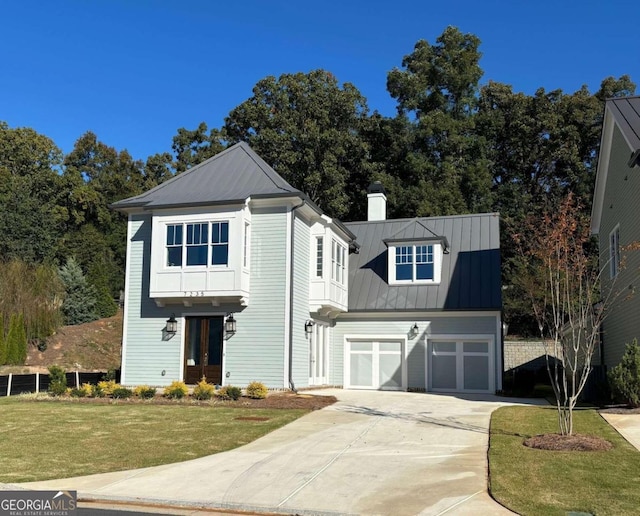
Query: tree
(307, 127)
(80, 297)
(562, 281)
(16, 341)
(3, 343)
(444, 166)
(193, 147)
(625, 377)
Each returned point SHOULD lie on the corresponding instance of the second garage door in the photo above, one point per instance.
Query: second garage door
(461, 365)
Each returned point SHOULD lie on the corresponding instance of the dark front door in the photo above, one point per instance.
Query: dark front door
(203, 349)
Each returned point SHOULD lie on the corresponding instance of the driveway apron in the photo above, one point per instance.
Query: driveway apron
(370, 453)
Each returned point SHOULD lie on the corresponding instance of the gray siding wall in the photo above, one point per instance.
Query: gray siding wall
(622, 191)
(436, 325)
(146, 355)
(256, 351)
(301, 278)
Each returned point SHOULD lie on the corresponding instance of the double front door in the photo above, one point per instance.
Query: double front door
(204, 340)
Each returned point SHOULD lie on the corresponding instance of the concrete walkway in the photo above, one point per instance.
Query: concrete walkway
(627, 425)
(370, 453)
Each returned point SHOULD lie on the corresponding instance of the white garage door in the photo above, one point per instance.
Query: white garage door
(374, 364)
(461, 365)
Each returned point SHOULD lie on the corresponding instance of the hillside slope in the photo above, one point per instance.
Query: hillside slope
(86, 347)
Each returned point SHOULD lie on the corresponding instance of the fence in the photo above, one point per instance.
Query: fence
(13, 384)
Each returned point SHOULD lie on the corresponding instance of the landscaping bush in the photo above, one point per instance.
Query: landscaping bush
(87, 388)
(176, 390)
(204, 390)
(229, 392)
(106, 388)
(145, 392)
(257, 390)
(625, 377)
(57, 381)
(78, 393)
(121, 393)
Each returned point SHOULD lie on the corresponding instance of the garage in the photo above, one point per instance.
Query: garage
(375, 364)
(462, 364)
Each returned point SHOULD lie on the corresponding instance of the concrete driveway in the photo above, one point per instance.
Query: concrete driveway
(370, 453)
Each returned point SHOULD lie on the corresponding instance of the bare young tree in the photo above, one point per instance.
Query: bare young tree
(562, 279)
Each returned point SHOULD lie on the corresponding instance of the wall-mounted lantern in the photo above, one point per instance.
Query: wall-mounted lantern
(230, 325)
(172, 325)
(414, 329)
(308, 327)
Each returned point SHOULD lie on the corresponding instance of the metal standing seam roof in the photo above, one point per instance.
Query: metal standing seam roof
(235, 174)
(626, 111)
(471, 277)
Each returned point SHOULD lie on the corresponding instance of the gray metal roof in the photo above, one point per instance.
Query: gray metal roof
(470, 272)
(230, 176)
(626, 111)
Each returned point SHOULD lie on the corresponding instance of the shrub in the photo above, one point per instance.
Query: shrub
(110, 375)
(87, 388)
(229, 392)
(78, 393)
(57, 381)
(145, 392)
(106, 387)
(176, 390)
(625, 377)
(97, 391)
(257, 390)
(121, 392)
(204, 390)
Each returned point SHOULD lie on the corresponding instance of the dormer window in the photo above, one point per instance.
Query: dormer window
(415, 263)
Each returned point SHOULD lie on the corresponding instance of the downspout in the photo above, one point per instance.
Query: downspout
(292, 386)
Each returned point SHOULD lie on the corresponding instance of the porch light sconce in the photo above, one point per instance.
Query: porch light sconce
(230, 325)
(172, 325)
(308, 327)
(414, 329)
(445, 250)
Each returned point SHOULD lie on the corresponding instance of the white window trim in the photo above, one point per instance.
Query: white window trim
(246, 246)
(437, 264)
(338, 262)
(614, 252)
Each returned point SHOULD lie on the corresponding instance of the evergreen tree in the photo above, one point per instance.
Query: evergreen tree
(80, 299)
(16, 342)
(3, 343)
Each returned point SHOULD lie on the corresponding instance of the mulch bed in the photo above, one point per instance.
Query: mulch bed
(620, 410)
(276, 400)
(575, 442)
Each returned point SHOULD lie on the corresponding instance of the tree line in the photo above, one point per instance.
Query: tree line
(454, 146)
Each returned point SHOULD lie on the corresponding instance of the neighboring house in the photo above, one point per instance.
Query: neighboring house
(382, 304)
(615, 220)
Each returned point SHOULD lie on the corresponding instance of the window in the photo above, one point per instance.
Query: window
(319, 250)
(174, 245)
(614, 252)
(219, 243)
(197, 238)
(338, 262)
(414, 264)
(245, 250)
(189, 244)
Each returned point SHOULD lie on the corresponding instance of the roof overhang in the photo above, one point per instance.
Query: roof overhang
(612, 118)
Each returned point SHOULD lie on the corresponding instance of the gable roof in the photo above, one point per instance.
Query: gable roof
(231, 176)
(624, 113)
(470, 272)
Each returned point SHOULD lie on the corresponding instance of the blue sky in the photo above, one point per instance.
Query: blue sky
(134, 71)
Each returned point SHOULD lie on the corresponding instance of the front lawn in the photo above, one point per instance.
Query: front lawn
(531, 482)
(45, 440)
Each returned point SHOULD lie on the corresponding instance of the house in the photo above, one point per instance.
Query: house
(614, 219)
(235, 275)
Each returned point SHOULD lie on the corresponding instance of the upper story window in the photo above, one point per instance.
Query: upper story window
(414, 264)
(614, 252)
(319, 256)
(338, 262)
(205, 243)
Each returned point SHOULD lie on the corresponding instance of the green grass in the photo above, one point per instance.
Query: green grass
(532, 482)
(44, 440)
